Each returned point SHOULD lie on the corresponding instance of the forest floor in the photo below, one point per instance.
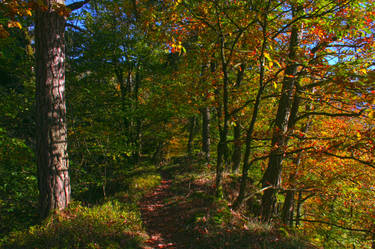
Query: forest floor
(172, 206)
(168, 213)
(183, 213)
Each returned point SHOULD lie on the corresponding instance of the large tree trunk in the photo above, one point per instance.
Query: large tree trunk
(280, 137)
(51, 147)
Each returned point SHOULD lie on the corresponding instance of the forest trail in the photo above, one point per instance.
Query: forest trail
(168, 214)
(182, 213)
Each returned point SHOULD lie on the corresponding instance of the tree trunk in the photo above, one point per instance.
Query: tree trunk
(51, 146)
(288, 208)
(237, 152)
(206, 133)
(280, 137)
(298, 208)
(222, 151)
(138, 122)
(221, 148)
(191, 136)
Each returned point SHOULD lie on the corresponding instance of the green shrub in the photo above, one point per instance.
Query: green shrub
(18, 184)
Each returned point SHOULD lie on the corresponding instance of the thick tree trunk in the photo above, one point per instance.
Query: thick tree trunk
(206, 133)
(237, 151)
(280, 137)
(51, 147)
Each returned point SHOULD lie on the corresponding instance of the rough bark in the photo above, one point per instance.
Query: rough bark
(51, 146)
(272, 174)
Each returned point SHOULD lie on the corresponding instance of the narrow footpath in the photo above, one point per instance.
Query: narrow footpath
(167, 215)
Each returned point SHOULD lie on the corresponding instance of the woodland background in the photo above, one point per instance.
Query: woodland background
(272, 102)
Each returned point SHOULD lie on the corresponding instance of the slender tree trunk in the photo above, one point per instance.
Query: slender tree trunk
(250, 130)
(237, 152)
(138, 123)
(288, 208)
(191, 136)
(280, 137)
(206, 139)
(298, 208)
(246, 163)
(51, 146)
(222, 150)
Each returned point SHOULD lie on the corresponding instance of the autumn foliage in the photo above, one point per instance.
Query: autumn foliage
(275, 98)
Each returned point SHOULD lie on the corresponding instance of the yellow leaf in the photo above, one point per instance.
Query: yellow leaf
(267, 56)
(13, 24)
(275, 85)
(28, 12)
(363, 70)
(358, 135)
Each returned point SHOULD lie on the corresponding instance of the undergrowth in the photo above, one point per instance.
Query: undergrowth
(112, 223)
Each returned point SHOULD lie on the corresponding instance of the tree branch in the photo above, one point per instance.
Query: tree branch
(75, 27)
(353, 114)
(352, 158)
(339, 226)
(77, 5)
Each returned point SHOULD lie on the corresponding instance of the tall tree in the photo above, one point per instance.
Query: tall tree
(51, 145)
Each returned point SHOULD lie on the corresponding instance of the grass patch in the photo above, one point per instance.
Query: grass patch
(136, 186)
(110, 225)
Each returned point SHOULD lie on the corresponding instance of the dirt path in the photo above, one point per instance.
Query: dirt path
(167, 214)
